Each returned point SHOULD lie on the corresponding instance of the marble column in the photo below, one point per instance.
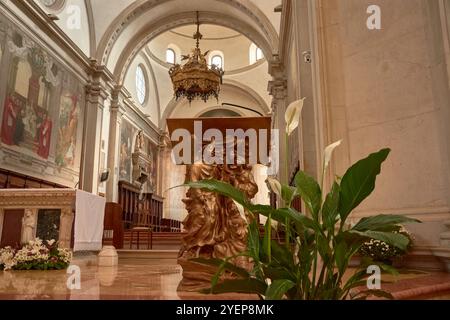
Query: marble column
(95, 99)
(278, 90)
(116, 114)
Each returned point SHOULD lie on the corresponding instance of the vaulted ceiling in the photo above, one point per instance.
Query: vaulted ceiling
(118, 30)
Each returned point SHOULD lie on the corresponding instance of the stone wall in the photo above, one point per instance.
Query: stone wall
(389, 88)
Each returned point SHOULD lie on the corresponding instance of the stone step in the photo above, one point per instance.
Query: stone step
(160, 255)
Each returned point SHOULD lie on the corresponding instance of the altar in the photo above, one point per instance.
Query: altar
(72, 217)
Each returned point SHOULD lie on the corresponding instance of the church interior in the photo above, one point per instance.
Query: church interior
(101, 200)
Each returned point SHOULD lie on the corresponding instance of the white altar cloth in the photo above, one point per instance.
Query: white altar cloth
(89, 216)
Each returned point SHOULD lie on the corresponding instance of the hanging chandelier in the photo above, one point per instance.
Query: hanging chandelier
(195, 79)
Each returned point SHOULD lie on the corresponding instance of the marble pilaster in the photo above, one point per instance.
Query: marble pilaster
(116, 114)
(95, 99)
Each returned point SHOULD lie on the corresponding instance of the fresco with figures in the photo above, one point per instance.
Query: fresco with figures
(42, 103)
(152, 151)
(127, 136)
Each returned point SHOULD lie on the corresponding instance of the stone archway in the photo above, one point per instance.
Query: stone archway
(130, 32)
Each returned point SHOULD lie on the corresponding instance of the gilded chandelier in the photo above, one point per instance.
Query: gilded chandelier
(195, 79)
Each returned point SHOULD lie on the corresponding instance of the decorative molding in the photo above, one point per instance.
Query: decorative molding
(285, 29)
(278, 89)
(37, 198)
(154, 83)
(424, 213)
(91, 23)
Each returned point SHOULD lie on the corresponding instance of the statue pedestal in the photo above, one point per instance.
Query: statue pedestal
(108, 257)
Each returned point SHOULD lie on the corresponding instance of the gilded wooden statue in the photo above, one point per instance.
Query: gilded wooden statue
(215, 227)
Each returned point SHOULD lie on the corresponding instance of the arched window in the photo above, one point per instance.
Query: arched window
(170, 56)
(255, 54)
(141, 85)
(259, 54)
(217, 61)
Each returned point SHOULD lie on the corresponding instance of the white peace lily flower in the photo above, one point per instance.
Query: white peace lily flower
(275, 185)
(292, 115)
(329, 152)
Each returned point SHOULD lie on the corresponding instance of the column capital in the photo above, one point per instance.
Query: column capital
(278, 88)
(164, 140)
(96, 92)
(117, 102)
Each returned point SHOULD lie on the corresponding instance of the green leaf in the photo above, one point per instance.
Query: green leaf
(278, 289)
(340, 252)
(288, 194)
(266, 242)
(280, 215)
(223, 264)
(359, 182)
(324, 249)
(219, 187)
(396, 239)
(330, 207)
(381, 222)
(253, 241)
(278, 273)
(282, 256)
(240, 286)
(310, 192)
(376, 293)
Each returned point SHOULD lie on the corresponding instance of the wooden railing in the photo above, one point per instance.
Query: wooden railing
(131, 204)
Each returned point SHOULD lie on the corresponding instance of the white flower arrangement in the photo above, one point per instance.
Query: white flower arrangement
(381, 251)
(36, 255)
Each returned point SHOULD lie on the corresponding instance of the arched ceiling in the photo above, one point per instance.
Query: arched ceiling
(105, 18)
(116, 31)
(144, 20)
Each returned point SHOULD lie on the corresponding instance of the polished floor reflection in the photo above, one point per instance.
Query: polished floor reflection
(132, 279)
(146, 279)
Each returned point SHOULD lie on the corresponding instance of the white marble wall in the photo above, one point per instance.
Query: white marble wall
(389, 88)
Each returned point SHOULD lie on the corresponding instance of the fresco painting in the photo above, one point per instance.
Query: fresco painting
(42, 105)
(127, 134)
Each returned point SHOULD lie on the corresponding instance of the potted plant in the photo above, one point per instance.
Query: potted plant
(312, 262)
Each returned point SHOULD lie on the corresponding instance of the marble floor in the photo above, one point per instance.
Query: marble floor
(144, 279)
(132, 279)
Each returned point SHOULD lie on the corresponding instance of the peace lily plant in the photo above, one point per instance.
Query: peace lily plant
(311, 262)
